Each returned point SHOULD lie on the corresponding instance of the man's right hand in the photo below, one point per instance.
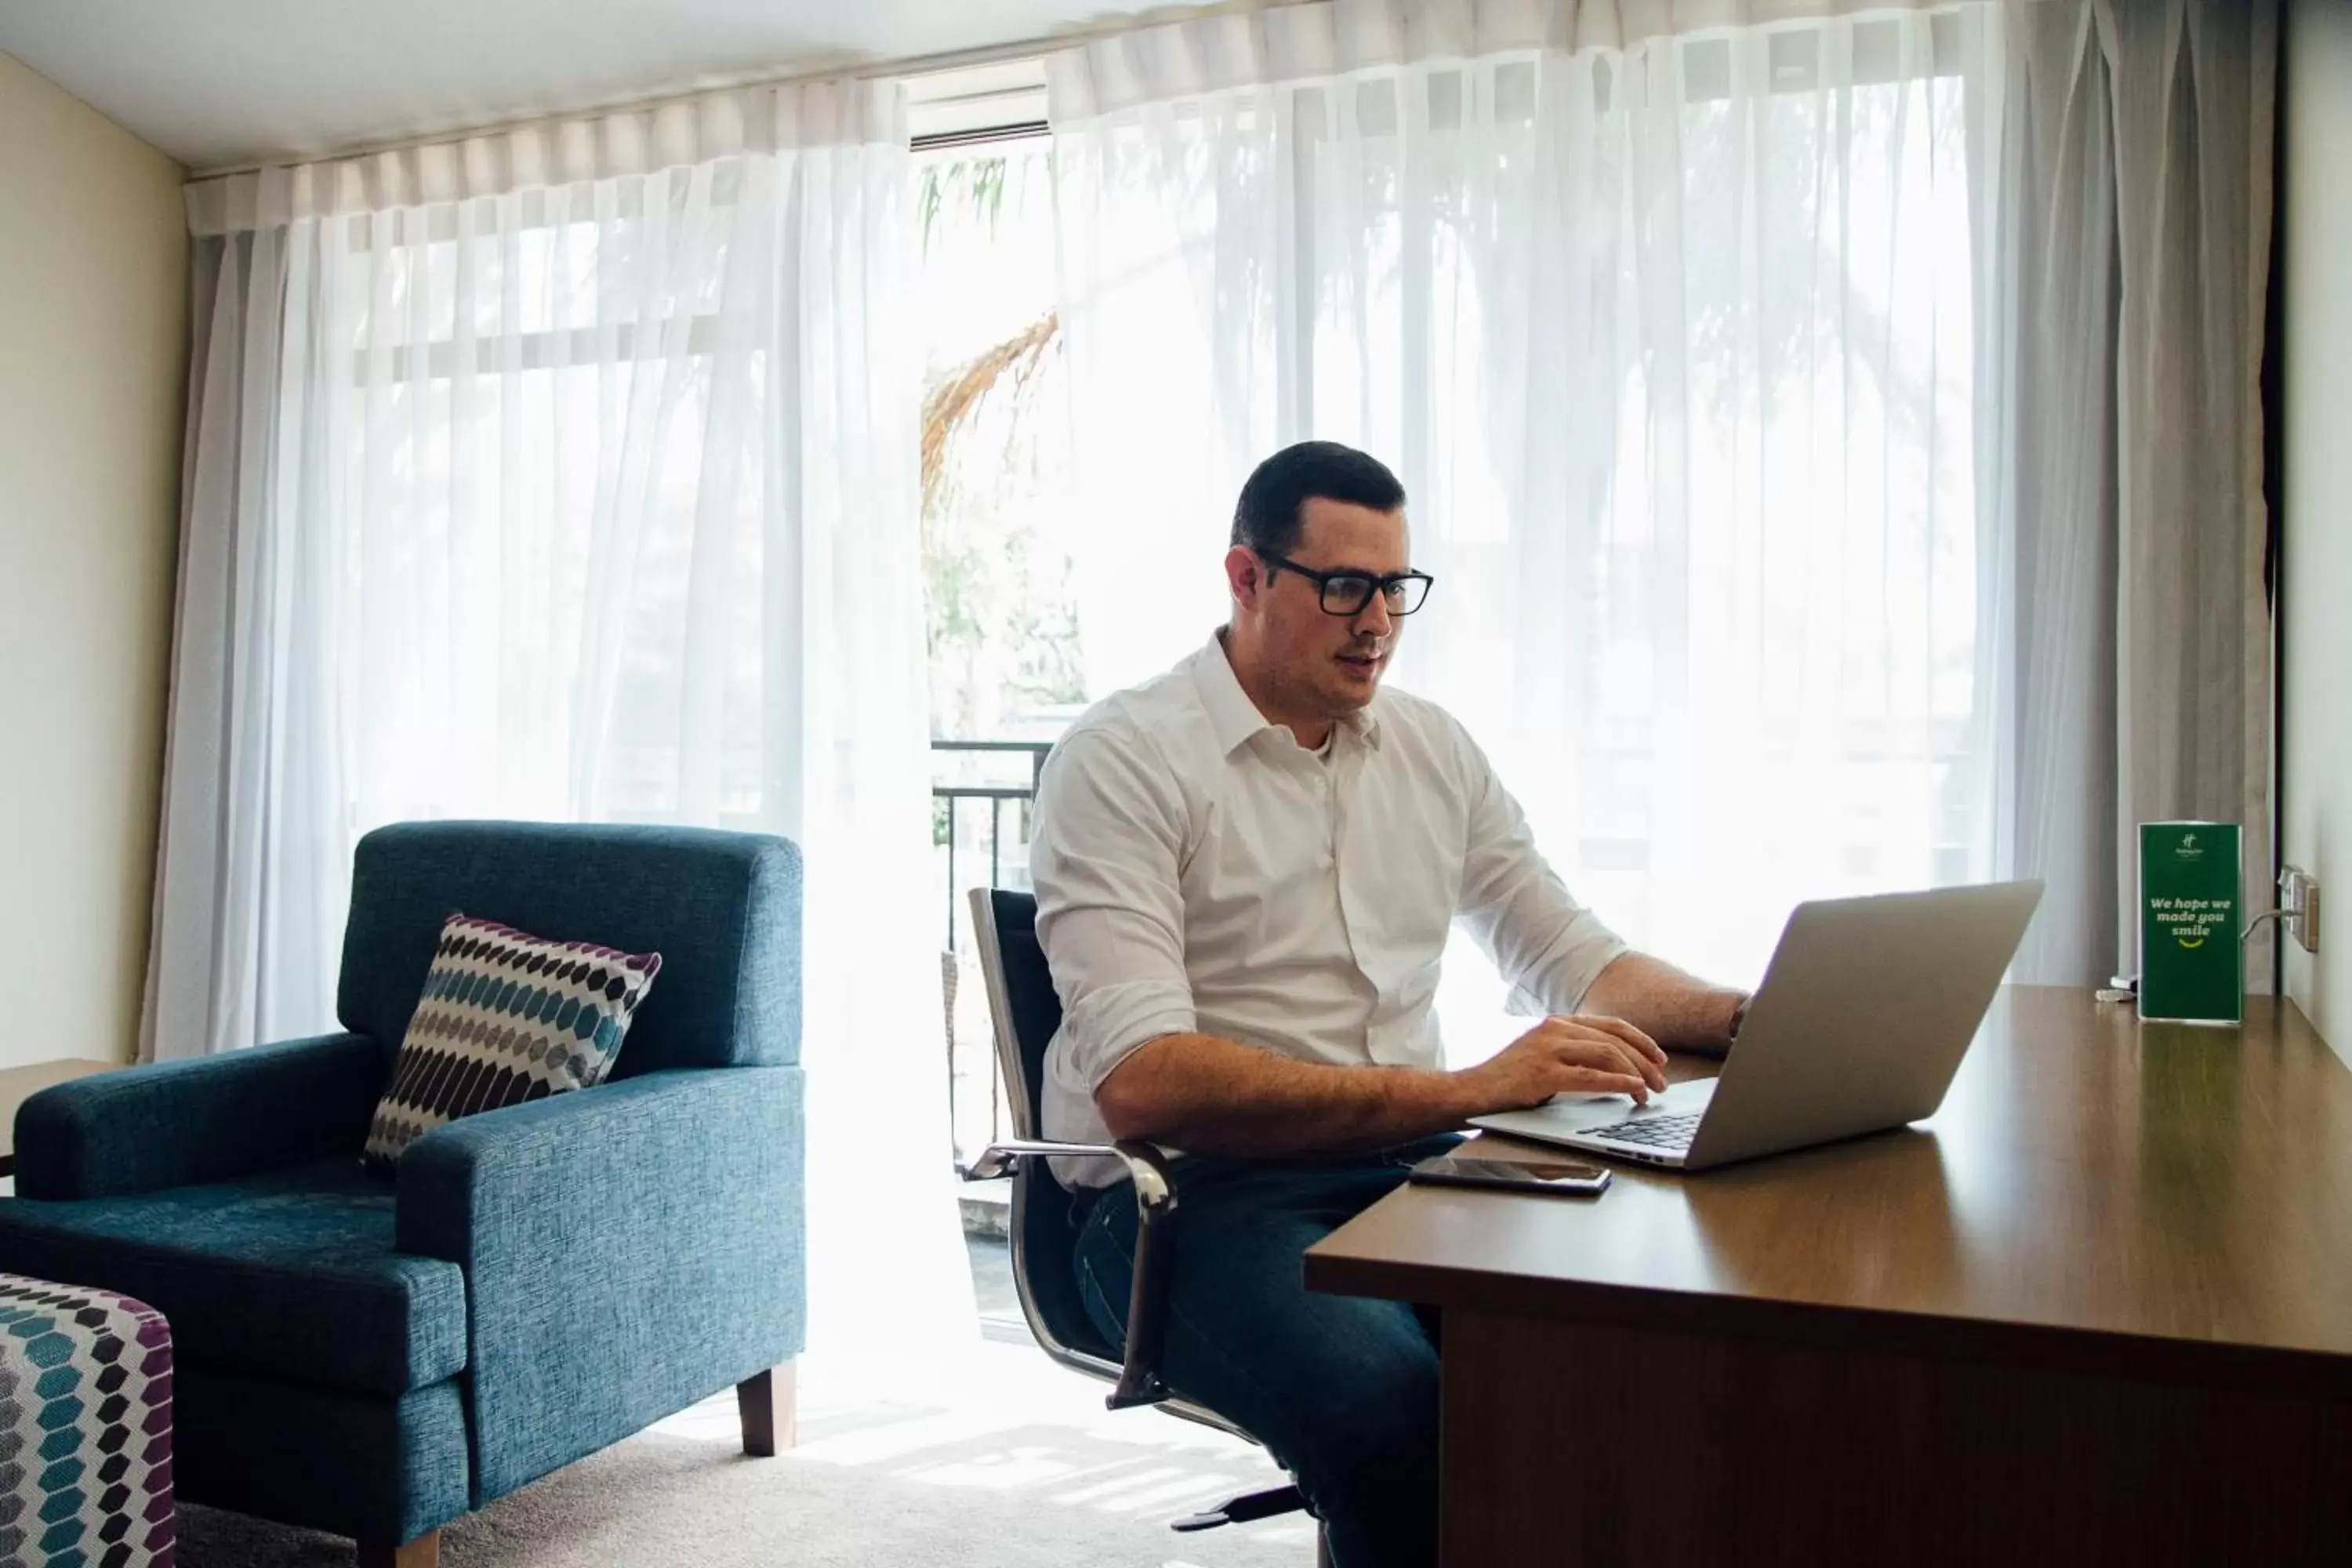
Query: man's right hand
(1580, 1055)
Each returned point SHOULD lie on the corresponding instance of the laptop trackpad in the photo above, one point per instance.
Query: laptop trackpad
(1584, 1112)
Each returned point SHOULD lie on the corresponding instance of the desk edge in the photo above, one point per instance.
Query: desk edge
(1935, 1336)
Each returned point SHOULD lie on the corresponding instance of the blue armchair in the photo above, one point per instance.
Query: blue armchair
(375, 1358)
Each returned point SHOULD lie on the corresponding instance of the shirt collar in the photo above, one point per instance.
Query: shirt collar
(1234, 719)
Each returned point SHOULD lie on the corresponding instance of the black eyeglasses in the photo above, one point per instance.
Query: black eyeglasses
(1348, 593)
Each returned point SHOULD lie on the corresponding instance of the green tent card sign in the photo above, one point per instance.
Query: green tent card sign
(2192, 969)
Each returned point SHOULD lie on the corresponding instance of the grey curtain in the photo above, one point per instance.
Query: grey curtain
(238, 950)
(2134, 191)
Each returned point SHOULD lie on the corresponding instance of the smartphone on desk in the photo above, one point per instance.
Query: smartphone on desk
(1556, 1177)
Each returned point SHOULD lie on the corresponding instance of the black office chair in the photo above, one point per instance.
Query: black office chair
(1023, 1004)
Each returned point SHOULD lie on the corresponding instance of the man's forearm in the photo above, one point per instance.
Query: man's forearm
(1675, 1009)
(1207, 1094)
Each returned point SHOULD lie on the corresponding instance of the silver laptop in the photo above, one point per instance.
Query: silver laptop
(1861, 1022)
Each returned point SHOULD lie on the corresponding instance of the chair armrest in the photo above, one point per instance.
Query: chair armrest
(1140, 1381)
(629, 1249)
(177, 1124)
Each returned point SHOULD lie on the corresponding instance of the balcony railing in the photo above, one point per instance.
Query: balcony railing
(979, 790)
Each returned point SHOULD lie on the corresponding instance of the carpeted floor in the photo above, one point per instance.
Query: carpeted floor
(1018, 1465)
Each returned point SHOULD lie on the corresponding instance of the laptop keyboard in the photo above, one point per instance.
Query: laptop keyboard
(1653, 1132)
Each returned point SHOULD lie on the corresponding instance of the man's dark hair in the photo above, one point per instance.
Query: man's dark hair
(1267, 518)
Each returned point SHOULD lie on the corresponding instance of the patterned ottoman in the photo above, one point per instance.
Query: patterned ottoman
(85, 1429)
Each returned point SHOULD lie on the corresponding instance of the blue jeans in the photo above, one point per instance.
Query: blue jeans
(1341, 1390)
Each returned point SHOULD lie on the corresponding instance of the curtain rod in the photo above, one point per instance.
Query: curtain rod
(907, 66)
(869, 70)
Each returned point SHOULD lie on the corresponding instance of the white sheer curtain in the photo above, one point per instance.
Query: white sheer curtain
(1672, 339)
(570, 473)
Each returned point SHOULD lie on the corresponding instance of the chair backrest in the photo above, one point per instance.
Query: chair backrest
(1023, 1005)
(1022, 1002)
(722, 909)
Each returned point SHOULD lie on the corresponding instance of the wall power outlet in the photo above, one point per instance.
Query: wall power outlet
(2299, 906)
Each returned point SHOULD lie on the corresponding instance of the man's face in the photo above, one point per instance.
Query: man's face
(1321, 664)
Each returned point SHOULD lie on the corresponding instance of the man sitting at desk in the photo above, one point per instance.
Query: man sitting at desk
(1246, 871)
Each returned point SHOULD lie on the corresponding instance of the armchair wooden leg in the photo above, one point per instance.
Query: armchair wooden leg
(768, 1407)
(424, 1552)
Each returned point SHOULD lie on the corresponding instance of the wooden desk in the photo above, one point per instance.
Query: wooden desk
(18, 1085)
(2099, 1309)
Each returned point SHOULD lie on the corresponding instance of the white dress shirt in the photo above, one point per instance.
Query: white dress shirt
(1198, 871)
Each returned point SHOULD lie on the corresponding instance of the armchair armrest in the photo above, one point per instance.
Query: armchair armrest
(174, 1124)
(629, 1249)
(1140, 1381)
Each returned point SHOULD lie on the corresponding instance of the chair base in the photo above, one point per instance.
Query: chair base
(424, 1552)
(768, 1406)
(1242, 1509)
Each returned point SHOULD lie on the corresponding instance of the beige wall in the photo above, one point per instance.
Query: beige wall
(2316, 187)
(93, 285)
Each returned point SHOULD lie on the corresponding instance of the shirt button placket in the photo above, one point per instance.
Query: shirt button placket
(1334, 799)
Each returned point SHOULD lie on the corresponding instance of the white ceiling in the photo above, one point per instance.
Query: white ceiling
(221, 82)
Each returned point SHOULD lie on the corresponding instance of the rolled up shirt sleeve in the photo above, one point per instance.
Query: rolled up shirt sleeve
(1548, 946)
(1105, 858)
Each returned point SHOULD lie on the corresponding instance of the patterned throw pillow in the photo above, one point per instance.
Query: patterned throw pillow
(505, 1017)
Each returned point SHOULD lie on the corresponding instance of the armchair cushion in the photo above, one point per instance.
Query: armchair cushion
(627, 1250)
(176, 1124)
(505, 1017)
(288, 1273)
